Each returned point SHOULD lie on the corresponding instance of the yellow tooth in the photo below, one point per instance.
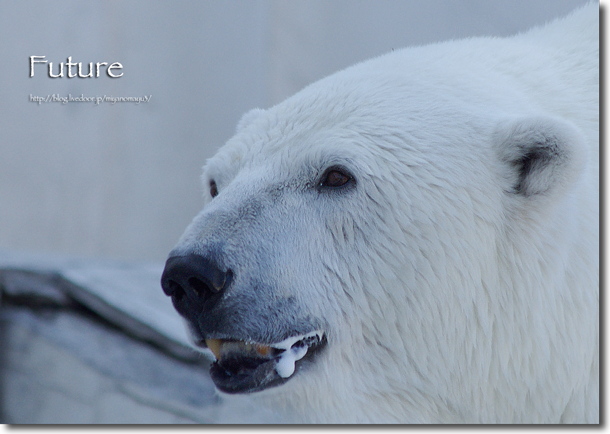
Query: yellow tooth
(263, 350)
(214, 346)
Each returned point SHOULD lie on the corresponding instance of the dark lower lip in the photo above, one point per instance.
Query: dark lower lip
(247, 379)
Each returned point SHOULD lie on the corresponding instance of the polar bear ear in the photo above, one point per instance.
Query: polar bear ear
(545, 155)
(248, 118)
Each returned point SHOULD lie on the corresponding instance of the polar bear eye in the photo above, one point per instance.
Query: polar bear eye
(213, 188)
(335, 177)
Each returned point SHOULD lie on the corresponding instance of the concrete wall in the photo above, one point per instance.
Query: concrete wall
(122, 181)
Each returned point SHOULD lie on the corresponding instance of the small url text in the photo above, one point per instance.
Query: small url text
(96, 100)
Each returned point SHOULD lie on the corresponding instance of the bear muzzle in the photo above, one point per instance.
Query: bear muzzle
(196, 285)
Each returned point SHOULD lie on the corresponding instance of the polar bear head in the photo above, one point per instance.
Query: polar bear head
(376, 246)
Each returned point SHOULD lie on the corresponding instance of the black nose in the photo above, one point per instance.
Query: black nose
(192, 280)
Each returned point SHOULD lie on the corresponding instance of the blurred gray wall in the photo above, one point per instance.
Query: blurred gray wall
(122, 181)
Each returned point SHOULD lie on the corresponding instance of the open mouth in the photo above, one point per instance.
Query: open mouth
(243, 367)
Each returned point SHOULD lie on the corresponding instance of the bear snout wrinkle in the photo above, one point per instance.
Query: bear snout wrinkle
(192, 280)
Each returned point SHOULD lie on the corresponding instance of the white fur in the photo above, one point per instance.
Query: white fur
(448, 296)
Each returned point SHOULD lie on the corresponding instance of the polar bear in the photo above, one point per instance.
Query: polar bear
(413, 239)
